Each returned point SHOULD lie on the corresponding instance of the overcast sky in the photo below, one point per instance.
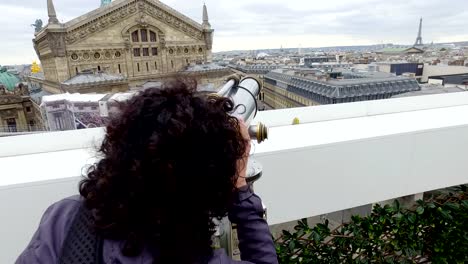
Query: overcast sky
(259, 24)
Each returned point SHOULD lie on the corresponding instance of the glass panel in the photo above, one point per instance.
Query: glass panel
(144, 35)
(152, 36)
(11, 123)
(145, 51)
(135, 36)
(136, 52)
(154, 51)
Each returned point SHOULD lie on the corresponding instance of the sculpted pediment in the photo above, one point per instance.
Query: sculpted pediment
(89, 24)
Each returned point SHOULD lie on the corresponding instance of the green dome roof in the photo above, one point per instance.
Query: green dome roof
(8, 80)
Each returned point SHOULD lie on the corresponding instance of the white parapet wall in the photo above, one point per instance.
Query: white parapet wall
(339, 157)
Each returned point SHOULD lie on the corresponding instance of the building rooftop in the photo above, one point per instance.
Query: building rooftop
(427, 89)
(326, 91)
(8, 79)
(39, 75)
(76, 97)
(90, 78)
(400, 50)
(461, 79)
(37, 96)
(205, 68)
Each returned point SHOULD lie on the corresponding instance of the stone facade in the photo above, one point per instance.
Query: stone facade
(17, 112)
(141, 40)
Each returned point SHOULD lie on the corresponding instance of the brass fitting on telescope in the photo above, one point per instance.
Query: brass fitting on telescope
(258, 132)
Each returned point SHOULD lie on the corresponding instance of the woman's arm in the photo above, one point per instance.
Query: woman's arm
(255, 241)
(47, 242)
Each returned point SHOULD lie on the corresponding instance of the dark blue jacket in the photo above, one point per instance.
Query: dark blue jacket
(255, 242)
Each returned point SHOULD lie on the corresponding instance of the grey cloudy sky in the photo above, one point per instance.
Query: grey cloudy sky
(247, 24)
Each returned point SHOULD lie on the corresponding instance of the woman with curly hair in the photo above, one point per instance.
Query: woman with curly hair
(173, 160)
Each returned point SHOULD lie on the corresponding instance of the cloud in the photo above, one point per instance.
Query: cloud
(246, 24)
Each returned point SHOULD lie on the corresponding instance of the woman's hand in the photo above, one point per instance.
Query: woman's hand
(242, 163)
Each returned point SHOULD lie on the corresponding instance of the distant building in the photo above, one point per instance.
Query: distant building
(450, 80)
(258, 69)
(78, 111)
(329, 66)
(400, 51)
(286, 88)
(141, 41)
(209, 76)
(18, 113)
(400, 68)
(95, 82)
(429, 89)
(308, 61)
(442, 70)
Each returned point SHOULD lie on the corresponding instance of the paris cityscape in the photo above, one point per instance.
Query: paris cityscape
(343, 90)
(95, 57)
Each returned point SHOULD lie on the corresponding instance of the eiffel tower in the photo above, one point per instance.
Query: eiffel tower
(419, 38)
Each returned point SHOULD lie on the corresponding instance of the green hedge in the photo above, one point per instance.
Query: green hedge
(433, 231)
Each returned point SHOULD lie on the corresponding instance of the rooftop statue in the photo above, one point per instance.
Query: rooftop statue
(37, 25)
(105, 2)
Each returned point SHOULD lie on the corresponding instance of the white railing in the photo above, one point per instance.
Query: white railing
(340, 157)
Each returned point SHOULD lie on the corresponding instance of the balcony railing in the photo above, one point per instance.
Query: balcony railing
(338, 157)
(19, 129)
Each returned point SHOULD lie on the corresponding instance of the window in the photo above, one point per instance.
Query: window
(186, 50)
(135, 36)
(32, 124)
(138, 67)
(118, 54)
(97, 55)
(80, 107)
(11, 125)
(172, 64)
(152, 36)
(55, 106)
(28, 109)
(136, 52)
(120, 69)
(99, 68)
(155, 65)
(144, 35)
(145, 51)
(58, 121)
(147, 67)
(93, 107)
(154, 51)
(76, 70)
(186, 60)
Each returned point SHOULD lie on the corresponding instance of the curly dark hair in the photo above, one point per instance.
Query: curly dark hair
(168, 168)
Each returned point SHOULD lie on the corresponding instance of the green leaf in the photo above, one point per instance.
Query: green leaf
(398, 216)
(452, 206)
(412, 218)
(420, 210)
(465, 203)
(292, 245)
(444, 214)
(390, 234)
